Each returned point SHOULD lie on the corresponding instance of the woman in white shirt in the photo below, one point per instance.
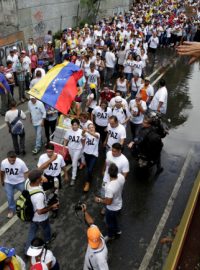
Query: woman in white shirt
(39, 253)
(138, 65)
(128, 67)
(122, 85)
(73, 139)
(91, 152)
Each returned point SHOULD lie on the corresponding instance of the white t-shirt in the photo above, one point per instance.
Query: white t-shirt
(153, 42)
(14, 173)
(26, 63)
(121, 162)
(136, 85)
(93, 102)
(137, 67)
(38, 112)
(138, 119)
(160, 96)
(110, 59)
(91, 146)
(114, 190)
(39, 202)
(74, 139)
(115, 134)
(12, 114)
(121, 113)
(149, 90)
(101, 116)
(55, 167)
(96, 259)
(93, 76)
(47, 257)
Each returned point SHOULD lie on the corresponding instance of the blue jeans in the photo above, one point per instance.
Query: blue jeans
(34, 226)
(112, 222)
(9, 189)
(38, 139)
(90, 163)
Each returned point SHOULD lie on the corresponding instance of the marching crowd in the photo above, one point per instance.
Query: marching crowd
(114, 93)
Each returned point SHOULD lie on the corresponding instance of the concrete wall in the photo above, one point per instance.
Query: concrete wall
(36, 17)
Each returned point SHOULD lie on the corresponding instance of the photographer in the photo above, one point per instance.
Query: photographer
(41, 215)
(96, 254)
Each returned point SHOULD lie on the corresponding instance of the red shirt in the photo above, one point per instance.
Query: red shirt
(107, 95)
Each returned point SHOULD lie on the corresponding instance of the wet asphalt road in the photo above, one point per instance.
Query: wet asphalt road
(144, 199)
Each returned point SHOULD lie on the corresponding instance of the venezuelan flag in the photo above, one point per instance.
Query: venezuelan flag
(58, 87)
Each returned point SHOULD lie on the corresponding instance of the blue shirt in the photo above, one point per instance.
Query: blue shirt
(4, 82)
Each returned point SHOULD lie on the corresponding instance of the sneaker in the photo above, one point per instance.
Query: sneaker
(86, 187)
(10, 214)
(72, 182)
(35, 151)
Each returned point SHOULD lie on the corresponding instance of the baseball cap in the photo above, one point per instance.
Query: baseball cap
(94, 237)
(23, 51)
(39, 266)
(14, 48)
(6, 253)
(92, 86)
(118, 99)
(32, 97)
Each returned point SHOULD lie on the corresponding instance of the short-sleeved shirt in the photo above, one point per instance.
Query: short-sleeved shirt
(74, 139)
(160, 96)
(114, 190)
(91, 146)
(46, 257)
(115, 134)
(101, 116)
(39, 202)
(12, 114)
(14, 173)
(4, 82)
(121, 162)
(134, 109)
(96, 259)
(54, 168)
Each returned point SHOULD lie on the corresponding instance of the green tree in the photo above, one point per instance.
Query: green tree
(92, 9)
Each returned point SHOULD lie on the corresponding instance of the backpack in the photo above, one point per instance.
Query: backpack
(16, 126)
(24, 206)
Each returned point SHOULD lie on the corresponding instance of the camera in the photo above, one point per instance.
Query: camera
(78, 206)
(52, 199)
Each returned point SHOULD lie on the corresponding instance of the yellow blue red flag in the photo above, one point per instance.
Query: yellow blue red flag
(58, 87)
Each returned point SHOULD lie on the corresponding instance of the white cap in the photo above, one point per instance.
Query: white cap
(118, 99)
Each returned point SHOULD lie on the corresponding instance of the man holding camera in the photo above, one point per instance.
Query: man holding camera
(41, 210)
(96, 254)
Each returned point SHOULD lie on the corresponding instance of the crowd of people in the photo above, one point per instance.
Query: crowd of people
(114, 93)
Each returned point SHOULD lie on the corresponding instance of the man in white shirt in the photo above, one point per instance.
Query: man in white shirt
(122, 113)
(27, 68)
(38, 77)
(37, 116)
(41, 216)
(137, 109)
(13, 119)
(52, 164)
(113, 201)
(110, 64)
(13, 57)
(159, 101)
(13, 174)
(116, 133)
